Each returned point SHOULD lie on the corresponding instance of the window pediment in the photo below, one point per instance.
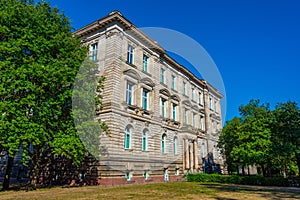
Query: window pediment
(175, 97)
(165, 92)
(133, 74)
(195, 107)
(187, 103)
(148, 81)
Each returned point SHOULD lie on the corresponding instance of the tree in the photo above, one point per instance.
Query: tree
(268, 138)
(247, 140)
(286, 130)
(227, 140)
(39, 60)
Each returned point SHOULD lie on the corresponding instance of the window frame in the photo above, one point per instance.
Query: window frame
(144, 140)
(186, 120)
(173, 85)
(193, 94)
(194, 120)
(94, 51)
(128, 176)
(184, 88)
(127, 138)
(163, 108)
(162, 75)
(130, 54)
(200, 98)
(145, 63)
(129, 93)
(175, 145)
(174, 111)
(163, 143)
(145, 99)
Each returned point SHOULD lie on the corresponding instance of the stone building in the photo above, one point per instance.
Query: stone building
(163, 119)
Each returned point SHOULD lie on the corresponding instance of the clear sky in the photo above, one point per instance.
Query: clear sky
(254, 43)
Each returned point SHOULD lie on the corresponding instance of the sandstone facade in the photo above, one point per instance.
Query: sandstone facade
(163, 120)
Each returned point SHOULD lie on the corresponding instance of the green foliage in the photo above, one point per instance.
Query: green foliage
(86, 102)
(235, 179)
(39, 60)
(267, 138)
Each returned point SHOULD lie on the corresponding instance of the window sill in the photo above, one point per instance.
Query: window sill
(163, 84)
(194, 101)
(132, 65)
(130, 150)
(147, 73)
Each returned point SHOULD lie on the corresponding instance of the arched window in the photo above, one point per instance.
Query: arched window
(163, 143)
(144, 140)
(175, 145)
(127, 138)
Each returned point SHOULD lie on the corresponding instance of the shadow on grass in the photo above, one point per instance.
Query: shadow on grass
(276, 193)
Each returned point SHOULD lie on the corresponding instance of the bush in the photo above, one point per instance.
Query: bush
(236, 179)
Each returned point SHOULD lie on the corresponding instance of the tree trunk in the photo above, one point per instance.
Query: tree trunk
(263, 169)
(284, 170)
(243, 170)
(34, 174)
(9, 166)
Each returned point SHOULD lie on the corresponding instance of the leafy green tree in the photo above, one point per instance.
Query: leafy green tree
(286, 134)
(39, 60)
(269, 139)
(228, 140)
(247, 140)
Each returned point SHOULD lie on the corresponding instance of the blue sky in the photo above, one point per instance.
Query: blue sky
(255, 44)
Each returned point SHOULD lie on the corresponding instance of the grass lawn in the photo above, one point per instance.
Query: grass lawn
(174, 191)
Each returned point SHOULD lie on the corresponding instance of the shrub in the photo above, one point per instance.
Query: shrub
(236, 179)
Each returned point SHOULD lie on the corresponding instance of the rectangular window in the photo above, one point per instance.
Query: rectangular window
(145, 63)
(199, 98)
(174, 112)
(173, 82)
(193, 94)
(130, 54)
(163, 107)
(201, 123)
(184, 88)
(194, 120)
(127, 138)
(129, 99)
(144, 141)
(145, 99)
(215, 105)
(210, 103)
(185, 116)
(94, 51)
(162, 75)
(163, 143)
(127, 176)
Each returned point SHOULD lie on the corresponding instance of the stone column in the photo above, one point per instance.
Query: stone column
(187, 156)
(196, 154)
(191, 155)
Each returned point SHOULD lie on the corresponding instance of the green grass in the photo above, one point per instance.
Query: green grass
(159, 191)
